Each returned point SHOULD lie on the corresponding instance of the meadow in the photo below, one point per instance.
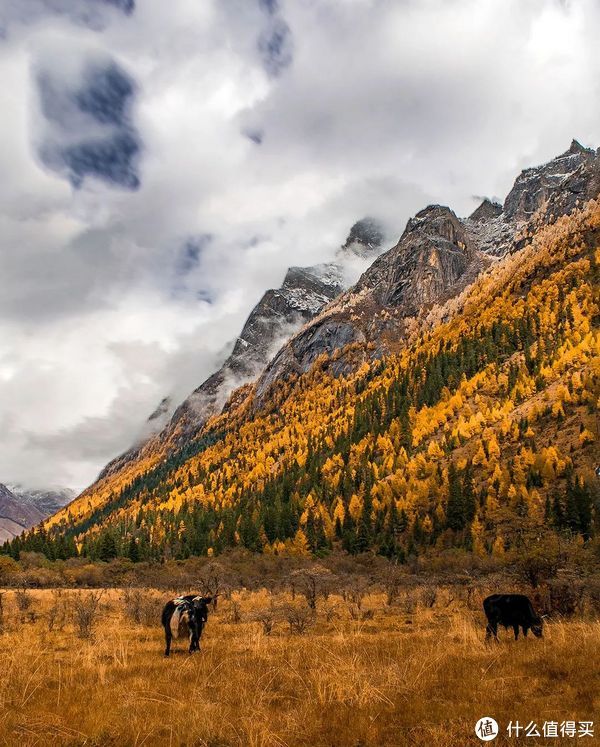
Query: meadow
(87, 668)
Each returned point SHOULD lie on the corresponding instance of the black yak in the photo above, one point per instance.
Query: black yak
(511, 611)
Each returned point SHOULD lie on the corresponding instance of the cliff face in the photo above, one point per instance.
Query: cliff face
(558, 185)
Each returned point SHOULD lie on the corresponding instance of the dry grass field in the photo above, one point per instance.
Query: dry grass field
(404, 674)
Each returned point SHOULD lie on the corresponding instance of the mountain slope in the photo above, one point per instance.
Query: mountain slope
(447, 399)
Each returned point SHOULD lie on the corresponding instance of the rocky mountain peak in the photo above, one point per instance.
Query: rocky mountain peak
(437, 256)
(366, 236)
(570, 177)
(431, 255)
(163, 407)
(486, 211)
(577, 147)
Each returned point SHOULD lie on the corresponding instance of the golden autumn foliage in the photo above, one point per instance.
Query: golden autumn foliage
(506, 390)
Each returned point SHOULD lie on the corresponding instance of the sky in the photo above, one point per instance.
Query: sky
(163, 163)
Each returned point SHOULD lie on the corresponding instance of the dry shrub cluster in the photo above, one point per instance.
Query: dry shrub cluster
(86, 612)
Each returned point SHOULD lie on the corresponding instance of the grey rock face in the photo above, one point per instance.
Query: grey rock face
(486, 211)
(301, 352)
(365, 236)
(432, 255)
(567, 178)
(278, 314)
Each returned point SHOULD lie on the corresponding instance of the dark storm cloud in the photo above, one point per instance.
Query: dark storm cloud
(95, 14)
(253, 134)
(275, 46)
(90, 132)
(191, 253)
(270, 6)
(127, 6)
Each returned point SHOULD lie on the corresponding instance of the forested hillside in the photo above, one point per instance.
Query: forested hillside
(478, 429)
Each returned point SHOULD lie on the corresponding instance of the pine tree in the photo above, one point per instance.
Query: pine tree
(106, 547)
(133, 552)
(455, 511)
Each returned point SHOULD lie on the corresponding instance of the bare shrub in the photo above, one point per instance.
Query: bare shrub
(313, 583)
(367, 614)
(593, 595)
(429, 596)
(24, 600)
(299, 618)
(57, 614)
(234, 613)
(357, 590)
(392, 585)
(538, 562)
(330, 611)
(473, 598)
(409, 602)
(354, 612)
(267, 617)
(211, 581)
(86, 609)
(566, 597)
(141, 607)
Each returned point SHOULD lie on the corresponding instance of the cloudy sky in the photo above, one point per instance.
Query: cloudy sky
(163, 163)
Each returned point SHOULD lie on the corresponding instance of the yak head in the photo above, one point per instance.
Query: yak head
(200, 608)
(537, 627)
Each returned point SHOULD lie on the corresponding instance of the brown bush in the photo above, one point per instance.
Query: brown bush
(234, 612)
(141, 606)
(86, 609)
(299, 618)
(566, 597)
(57, 614)
(409, 602)
(267, 617)
(23, 599)
(429, 595)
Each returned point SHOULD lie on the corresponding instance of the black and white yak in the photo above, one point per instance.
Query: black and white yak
(185, 615)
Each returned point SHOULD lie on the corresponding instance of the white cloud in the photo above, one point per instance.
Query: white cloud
(267, 129)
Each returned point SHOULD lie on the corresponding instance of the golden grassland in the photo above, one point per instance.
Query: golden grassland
(400, 674)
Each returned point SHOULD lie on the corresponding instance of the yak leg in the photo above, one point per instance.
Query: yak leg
(525, 630)
(492, 628)
(168, 639)
(516, 629)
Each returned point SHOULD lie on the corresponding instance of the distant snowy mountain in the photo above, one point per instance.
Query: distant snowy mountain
(21, 508)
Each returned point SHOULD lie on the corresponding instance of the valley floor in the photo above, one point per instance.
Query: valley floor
(399, 674)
